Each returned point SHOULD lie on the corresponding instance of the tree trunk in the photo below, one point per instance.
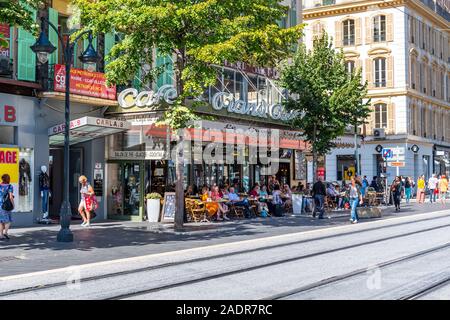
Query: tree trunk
(179, 187)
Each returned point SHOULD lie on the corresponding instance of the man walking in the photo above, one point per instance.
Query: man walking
(432, 185)
(319, 192)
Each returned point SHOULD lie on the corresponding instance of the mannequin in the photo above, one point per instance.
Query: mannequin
(44, 187)
(24, 177)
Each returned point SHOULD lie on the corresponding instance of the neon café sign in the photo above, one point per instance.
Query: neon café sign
(130, 98)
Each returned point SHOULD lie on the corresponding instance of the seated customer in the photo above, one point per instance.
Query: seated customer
(237, 201)
(276, 205)
(254, 192)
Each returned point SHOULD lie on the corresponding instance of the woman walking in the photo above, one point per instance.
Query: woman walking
(85, 207)
(408, 189)
(6, 190)
(421, 189)
(355, 197)
(443, 188)
(396, 189)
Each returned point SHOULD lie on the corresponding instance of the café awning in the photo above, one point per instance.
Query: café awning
(86, 129)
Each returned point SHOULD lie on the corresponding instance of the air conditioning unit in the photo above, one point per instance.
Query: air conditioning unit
(379, 133)
(6, 67)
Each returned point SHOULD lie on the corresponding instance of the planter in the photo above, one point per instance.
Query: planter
(153, 210)
(369, 213)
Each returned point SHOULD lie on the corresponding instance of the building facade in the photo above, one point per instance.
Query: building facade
(402, 47)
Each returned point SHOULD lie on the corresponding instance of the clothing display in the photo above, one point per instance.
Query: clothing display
(24, 177)
(44, 187)
(44, 181)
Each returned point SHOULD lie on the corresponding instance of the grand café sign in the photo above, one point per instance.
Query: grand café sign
(130, 98)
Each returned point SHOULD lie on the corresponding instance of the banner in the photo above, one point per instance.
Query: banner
(4, 30)
(9, 164)
(85, 83)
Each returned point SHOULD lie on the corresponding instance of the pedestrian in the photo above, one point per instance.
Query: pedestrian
(432, 186)
(319, 192)
(443, 188)
(86, 204)
(408, 188)
(365, 185)
(6, 193)
(355, 196)
(421, 189)
(396, 189)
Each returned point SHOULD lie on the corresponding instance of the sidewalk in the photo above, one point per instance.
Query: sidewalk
(35, 249)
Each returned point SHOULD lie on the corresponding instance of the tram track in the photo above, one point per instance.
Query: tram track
(427, 289)
(232, 272)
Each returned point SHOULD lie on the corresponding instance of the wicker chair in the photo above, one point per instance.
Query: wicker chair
(195, 209)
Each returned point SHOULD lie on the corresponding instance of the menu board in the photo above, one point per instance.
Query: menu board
(169, 207)
(300, 165)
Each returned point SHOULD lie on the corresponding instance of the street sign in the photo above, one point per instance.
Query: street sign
(396, 159)
(387, 153)
(398, 151)
(396, 164)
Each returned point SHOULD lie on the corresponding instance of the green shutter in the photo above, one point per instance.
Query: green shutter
(292, 17)
(110, 41)
(52, 35)
(11, 43)
(26, 66)
(137, 81)
(166, 76)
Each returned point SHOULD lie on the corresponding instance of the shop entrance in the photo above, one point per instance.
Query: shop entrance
(56, 172)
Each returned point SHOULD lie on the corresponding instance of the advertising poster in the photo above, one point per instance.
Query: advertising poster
(9, 164)
(4, 30)
(85, 83)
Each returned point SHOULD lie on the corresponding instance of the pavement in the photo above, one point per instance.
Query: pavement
(35, 249)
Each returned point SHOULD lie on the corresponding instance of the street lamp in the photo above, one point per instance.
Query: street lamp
(43, 48)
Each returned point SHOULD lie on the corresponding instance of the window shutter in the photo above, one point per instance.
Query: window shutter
(110, 40)
(390, 27)
(358, 32)
(11, 43)
(166, 76)
(369, 30)
(391, 118)
(52, 35)
(369, 72)
(357, 64)
(390, 72)
(338, 30)
(370, 121)
(26, 66)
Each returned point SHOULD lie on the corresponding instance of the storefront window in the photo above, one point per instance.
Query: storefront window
(26, 190)
(7, 135)
(346, 167)
(253, 89)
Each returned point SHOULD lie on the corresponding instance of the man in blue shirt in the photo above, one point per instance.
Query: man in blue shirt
(237, 201)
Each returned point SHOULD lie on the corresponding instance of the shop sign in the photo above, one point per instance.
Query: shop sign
(227, 101)
(4, 30)
(130, 98)
(321, 172)
(8, 116)
(9, 164)
(440, 153)
(90, 121)
(137, 155)
(83, 82)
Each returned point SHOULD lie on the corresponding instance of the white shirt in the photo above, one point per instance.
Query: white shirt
(432, 183)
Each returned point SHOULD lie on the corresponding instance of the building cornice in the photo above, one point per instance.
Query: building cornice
(388, 93)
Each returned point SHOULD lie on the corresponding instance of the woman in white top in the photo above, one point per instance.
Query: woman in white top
(355, 195)
(84, 209)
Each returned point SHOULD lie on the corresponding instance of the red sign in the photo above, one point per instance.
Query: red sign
(4, 30)
(321, 172)
(85, 83)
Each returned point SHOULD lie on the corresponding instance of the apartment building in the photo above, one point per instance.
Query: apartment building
(402, 47)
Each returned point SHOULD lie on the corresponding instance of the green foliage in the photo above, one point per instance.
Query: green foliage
(198, 34)
(17, 13)
(153, 195)
(328, 97)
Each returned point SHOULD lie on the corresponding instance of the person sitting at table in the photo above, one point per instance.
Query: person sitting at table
(276, 205)
(255, 191)
(223, 208)
(189, 192)
(237, 201)
(212, 207)
(339, 198)
(287, 195)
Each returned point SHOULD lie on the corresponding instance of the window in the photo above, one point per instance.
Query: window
(381, 115)
(350, 66)
(379, 28)
(421, 77)
(380, 72)
(349, 32)
(318, 29)
(413, 72)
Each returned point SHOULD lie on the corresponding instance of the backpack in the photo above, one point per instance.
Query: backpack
(7, 204)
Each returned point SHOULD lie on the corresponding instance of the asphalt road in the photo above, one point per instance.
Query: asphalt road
(399, 258)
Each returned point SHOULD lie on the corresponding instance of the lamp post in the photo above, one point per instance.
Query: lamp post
(43, 48)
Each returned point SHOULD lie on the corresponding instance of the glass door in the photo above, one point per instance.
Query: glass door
(132, 183)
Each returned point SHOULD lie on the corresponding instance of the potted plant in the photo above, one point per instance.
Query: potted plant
(153, 206)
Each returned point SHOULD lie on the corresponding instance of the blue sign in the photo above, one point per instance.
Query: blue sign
(387, 153)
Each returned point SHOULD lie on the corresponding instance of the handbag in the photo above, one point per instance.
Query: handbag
(7, 204)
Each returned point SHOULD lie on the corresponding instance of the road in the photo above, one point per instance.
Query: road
(400, 258)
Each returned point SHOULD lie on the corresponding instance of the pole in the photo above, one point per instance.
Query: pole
(356, 152)
(64, 234)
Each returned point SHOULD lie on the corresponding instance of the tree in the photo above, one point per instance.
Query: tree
(199, 35)
(17, 13)
(328, 97)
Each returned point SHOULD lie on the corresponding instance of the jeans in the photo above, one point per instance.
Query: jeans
(408, 194)
(432, 196)
(319, 201)
(45, 194)
(354, 204)
(246, 205)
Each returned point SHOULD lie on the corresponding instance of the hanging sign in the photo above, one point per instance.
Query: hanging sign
(83, 82)
(9, 164)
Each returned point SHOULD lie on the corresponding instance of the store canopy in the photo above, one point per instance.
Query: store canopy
(86, 129)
